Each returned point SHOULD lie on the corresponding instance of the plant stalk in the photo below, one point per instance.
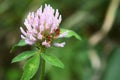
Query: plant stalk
(42, 68)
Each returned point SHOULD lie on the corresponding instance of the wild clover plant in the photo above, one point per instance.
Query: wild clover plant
(42, 29)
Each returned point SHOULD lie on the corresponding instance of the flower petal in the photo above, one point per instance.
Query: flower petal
(45, 43)
(59, 44)
(63, 34)
(29, 42)
(23, 32)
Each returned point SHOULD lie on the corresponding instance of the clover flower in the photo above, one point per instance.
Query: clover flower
(43, 27)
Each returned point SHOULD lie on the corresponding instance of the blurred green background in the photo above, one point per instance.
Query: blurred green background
(83, 60)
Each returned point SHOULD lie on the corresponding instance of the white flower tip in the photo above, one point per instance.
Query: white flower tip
(29, 42)
(41, 7)
(59, 44)
(40, 36)
(63, 34)
(23, 37)
(56, 10)
(45, 4)
(45, 43)
(23, 32)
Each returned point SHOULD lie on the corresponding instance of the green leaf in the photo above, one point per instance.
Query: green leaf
(113, 66)
(23, 56)
(20, 43)
(52, 60)
(70, 33)
(31, 67)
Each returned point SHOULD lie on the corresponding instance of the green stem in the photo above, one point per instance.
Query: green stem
(42, 69)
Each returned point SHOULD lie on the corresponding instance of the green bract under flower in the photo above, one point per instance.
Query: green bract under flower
(43, 27)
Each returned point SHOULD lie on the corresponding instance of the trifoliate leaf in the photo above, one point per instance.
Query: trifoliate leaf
(31, 67)
(52, 60)
(20, 43)
(23, 56)
(70, 33)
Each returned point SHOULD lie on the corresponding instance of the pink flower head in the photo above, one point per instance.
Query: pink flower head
(42, 27)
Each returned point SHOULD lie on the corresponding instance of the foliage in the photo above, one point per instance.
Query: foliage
(52, 60)
(32, 65)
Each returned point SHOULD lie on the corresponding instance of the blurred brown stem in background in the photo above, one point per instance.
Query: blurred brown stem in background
(98, 36)
(107, 24)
